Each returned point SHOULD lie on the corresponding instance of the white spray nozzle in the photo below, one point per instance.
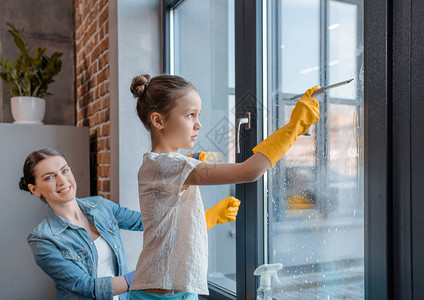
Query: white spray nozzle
(267, 271)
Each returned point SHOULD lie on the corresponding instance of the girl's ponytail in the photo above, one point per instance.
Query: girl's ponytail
(139, 85)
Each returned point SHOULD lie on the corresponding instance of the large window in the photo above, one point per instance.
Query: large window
(316, 192)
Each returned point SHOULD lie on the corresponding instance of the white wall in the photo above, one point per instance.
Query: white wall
(135, 49)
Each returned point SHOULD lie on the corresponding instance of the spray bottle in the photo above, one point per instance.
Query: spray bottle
(266, 272)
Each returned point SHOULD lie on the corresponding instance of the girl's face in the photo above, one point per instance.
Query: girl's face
(182, 125)
(54, 180)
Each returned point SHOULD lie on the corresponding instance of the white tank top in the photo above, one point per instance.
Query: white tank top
(106, 263)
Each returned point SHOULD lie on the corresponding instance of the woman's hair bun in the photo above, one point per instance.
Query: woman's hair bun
(23, 185)
(139, 85)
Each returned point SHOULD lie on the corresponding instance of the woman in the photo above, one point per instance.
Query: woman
(79, 244)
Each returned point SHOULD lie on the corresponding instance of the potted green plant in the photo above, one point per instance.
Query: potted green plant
(27, 79)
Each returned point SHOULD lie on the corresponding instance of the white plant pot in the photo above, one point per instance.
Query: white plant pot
(28, 110)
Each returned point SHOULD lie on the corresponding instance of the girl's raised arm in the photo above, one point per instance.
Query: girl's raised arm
(211, 174)
(267, 153)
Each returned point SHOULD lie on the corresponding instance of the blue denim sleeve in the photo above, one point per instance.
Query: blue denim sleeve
(67, 275)
(127, 219)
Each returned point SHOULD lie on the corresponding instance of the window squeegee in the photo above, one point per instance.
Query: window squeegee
(323, 89)
(319, 92)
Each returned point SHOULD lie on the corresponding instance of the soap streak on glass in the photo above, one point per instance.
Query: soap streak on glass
(316, 192)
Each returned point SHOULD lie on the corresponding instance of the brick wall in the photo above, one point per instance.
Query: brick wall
(92, 86)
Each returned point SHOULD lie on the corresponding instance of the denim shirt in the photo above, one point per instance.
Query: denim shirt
(67, 252)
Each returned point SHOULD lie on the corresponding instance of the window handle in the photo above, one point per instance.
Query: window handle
(241, 121)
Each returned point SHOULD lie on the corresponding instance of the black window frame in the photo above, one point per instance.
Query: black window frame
(394, 176)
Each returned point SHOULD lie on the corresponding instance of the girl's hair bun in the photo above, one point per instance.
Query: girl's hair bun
(139, 85)
(23, 185)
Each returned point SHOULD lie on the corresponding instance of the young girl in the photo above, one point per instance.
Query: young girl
(174, 260)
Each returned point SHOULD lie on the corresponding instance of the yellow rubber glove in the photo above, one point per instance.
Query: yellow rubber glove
(198, 155)
(224, 211)
(304, 115)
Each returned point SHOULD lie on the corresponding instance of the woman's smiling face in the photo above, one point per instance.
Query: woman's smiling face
(54, 181)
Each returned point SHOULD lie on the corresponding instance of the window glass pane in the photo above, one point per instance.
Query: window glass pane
(315, 194)
(344, 47)
(299, 47)
(204, 55)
